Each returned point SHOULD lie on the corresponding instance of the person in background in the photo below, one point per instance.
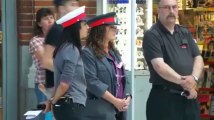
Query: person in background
(44, 21)
(104, 71)
(52, 39)
(175, 64)
(69, 98)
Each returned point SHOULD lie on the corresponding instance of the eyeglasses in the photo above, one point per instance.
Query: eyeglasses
(168, 7)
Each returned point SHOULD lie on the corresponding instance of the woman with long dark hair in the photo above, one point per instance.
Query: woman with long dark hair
(53, 37)
(104, 71)
(69, 98)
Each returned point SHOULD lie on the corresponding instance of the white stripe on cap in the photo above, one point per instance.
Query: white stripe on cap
(71, 15)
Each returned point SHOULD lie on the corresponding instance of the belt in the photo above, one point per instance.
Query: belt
(65, 97)
(171, 90)
(67, 100)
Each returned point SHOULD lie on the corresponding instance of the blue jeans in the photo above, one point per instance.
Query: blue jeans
(40, 98)
(39, 95)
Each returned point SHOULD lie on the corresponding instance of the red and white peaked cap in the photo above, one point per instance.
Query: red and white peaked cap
(104, 19)
(72, 17)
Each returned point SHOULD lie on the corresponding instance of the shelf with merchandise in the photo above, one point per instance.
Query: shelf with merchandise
(200, 9)
(211, 62)
(206, 92)
(200, 23)
(206, 89)
(206, 105)
(207, 116)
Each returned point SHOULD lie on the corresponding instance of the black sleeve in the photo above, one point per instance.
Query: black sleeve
(151, 46)
(194, 47)
(53, 36)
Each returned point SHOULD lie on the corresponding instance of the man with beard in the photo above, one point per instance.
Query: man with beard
(175, 65)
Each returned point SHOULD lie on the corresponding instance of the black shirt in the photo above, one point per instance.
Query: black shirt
(53, 39)
(178, 50)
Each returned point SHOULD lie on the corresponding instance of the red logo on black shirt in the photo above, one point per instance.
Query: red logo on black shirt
(184, 46)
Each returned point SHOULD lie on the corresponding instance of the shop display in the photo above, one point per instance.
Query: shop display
(123, 42)
(200, 22)
(140, 29)
(205, 102)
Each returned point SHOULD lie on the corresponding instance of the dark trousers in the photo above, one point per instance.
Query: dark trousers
(163, 105)
(65, 109)
(120, 116)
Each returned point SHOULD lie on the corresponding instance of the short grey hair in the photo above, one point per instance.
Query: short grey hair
(158, 1)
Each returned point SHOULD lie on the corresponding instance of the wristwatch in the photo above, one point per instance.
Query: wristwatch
(51, 101)
(195, 77)
(128, 95)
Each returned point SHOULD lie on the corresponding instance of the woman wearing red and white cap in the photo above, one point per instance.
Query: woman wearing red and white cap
(69, 98)
(104, 71)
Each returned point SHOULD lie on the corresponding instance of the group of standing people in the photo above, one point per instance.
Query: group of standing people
(88, 83)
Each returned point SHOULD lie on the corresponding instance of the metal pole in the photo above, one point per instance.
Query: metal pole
(133, 43)
(10, 60)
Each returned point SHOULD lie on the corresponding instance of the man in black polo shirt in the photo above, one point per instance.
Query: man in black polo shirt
(53, 37)
(175, 65)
